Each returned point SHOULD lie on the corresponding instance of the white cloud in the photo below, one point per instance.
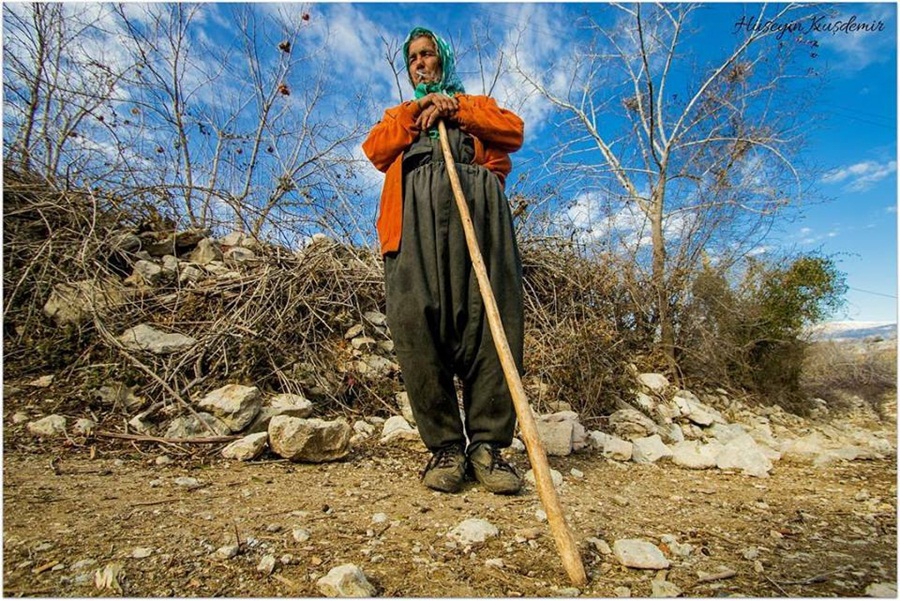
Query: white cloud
(859, 49)
(860, 176)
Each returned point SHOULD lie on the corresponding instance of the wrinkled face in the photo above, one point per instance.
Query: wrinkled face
(424, 61)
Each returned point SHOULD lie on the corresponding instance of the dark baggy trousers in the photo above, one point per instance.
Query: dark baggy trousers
(434, 307)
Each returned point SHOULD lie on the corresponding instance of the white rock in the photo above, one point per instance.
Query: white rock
(354, 331)
(699, 413)
(247, 448)
(555, 476)
(653, 382)
(345, 581)
(188, 426)
(650, 450)
(52, 425)
(630, 424)
(163, 460)
(682, 550)
(234, 404)
(597, 439)
(20, 417)
(397, 428)
(557, 437)
(645, 403)
(293, 405)
(473, 530)
(405, 408)
(228, 551)
(622, 592)
(141, 552)
(42, 382)
(663, 588)
(146, 272)
(517, 446)
(695, 455)
(375, 318)
(300, 535)
(84, 426)
(885, 590)
(363, 342)
(238, 254)
(190, 274)
(618, 449)
(379, 518)
(601, 545)
(576, 473)
(206, 252)
(637, 553)
(147, 338)
(188, 482)
(744, 454)
(266, 565)
(311, 440)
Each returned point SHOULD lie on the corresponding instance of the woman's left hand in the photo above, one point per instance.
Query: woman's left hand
(434, 107)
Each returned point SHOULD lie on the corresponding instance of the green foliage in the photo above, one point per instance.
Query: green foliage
(750, 335)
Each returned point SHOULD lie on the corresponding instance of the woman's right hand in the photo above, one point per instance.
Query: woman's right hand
(434, 107)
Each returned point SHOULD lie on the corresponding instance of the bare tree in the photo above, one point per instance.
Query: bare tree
(248, 130)
(697, 159)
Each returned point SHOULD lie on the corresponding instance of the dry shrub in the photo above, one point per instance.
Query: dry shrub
(835, 370)
(580, 335)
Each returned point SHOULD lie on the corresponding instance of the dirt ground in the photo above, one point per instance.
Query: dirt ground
(73, 508)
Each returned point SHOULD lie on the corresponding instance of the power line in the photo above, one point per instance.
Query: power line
(870, 292)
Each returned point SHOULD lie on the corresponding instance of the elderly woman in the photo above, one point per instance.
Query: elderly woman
(434, 308)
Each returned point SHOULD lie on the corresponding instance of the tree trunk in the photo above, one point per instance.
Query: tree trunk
(657, 236)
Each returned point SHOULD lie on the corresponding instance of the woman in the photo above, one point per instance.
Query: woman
(434, 307)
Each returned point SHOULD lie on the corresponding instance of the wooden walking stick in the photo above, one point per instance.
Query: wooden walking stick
(565, 544)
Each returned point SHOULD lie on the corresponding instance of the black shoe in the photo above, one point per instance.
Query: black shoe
(494, 473)
(446, 471)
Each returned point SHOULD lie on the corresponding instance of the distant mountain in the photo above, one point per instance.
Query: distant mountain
(854, 330)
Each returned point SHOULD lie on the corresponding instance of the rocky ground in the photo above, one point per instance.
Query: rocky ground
(97, 517)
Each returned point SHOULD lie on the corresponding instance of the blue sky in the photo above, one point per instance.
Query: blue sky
(850, 155)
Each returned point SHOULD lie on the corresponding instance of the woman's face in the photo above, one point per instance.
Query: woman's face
(424, 61)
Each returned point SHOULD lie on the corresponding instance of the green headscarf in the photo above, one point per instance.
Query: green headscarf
(450, 83)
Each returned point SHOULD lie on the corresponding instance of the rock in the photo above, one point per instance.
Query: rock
(146, 272)
(645, 403)
(494, 563)
(188, 482)
(42, 382)
(292, 405)
(653, 382)
(675, 548)
(376, 365)
(622, 592)
(671, 434)
(630, 424)
(405, 408)
(190, 274)
(517, 446)
(557, 437)
(163, 460)
(140, 424)
(234, 404)
(885, 590)
(170, 263)
(238, 239)
(206, 252)
(147, 338)
(695, 455)
(354, 331)
(375, 318)
(52, 425)
(74, 302)
(637, 553)
(117, 394)
(363, 428)
(618, 449)
(396, 428)
(650, 450)
(662, 588)
(228, 551)
(84, 426)
(20, 417)
(576, 473)
(555, 476)
(309, 440)
(188, 426)
(363, 342)
(108, 577)
(300, 535)
(248, 448)
(345, 581)
(141, 553)
(691, 408)
(266, 565)
(238, 254)
(601, 545)
(743, 453)
(473, 530)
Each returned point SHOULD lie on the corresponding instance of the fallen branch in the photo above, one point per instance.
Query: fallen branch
(720, 575)
(145, 438)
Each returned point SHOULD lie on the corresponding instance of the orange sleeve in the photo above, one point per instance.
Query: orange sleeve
(496, 127)
(392, 136)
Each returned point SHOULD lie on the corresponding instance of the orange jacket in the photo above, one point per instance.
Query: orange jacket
(496, 132)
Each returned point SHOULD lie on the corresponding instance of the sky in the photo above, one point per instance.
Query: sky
(850, 140)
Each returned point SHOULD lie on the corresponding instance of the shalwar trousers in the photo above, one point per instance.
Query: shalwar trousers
(434, 306)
